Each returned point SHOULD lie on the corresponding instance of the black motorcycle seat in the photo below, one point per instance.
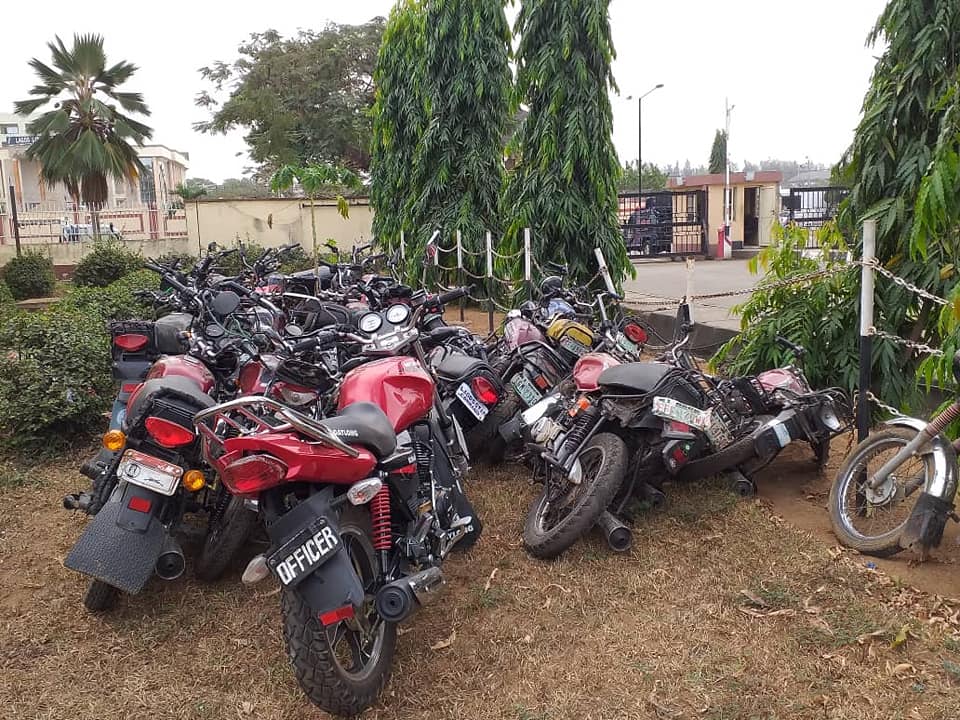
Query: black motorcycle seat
(173, 387)
(639, 376)
(457, 365)
(364, 424)
(166, 332)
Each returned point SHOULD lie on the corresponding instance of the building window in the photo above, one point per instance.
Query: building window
(120, 201)
(148, 188)
(9, 129)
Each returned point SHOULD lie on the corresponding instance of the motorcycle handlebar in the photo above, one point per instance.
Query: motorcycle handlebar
(455, 294)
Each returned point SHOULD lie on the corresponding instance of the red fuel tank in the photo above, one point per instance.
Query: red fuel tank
(183, 366)
(398, 385)
(588, 369)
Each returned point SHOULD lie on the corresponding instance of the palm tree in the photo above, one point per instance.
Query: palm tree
(85, 139)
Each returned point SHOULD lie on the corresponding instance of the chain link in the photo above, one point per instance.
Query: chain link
(786, 282)
(879, 403)
(919, 347)
(901, 282)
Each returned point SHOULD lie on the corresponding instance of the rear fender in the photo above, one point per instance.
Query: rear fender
(333, 584)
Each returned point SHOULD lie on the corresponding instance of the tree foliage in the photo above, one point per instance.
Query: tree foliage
(902, 170)
(88, 136)
(399, 119)
(653, 178)
(564, 183)
(313, 180)
(302, 99)
(718, 153)
(457, 172)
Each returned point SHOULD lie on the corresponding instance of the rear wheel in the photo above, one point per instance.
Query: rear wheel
(871, 520)
(342, 668)
(100, 596)
(226, 535)
(567, 510)
(495, 449)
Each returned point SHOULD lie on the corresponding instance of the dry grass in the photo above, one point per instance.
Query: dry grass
(721, 610)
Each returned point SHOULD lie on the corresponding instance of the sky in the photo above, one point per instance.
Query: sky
(795, 72)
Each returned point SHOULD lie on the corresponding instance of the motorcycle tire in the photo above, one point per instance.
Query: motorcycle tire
(315, 661)
(494, 450)
(100, 596)
(739, 452)
(548, 543)
(226, 535)
(882, 544)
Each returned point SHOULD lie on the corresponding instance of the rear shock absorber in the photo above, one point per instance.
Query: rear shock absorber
(380, 519)
(582, 425)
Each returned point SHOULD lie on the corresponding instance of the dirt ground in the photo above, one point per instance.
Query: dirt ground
(723, 608)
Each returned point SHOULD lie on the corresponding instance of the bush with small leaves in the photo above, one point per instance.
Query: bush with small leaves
(29, 276)
(107, 262)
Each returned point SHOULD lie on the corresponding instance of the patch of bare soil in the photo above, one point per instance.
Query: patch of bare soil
(720, 610)
(799, 493)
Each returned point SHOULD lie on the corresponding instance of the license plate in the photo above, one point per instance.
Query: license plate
(305, 552)
(148, 472)
(571, 345)
(527, 391)
(476, 408)
(704, 420)
(626, 343)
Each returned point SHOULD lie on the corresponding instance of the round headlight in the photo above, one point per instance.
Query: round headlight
(370, 322)
(397, 314)
(828, 417)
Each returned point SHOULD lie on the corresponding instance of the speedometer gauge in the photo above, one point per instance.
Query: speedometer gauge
(397, 314)
(370, 322)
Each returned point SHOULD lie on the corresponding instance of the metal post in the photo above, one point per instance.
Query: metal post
(689, 296)
(403, 248)
(604, 271)
(527, 277)
(727, 193)
(866, 326)
(199, 243)
(460, 277)
(13, 216)
(489, 282)
(639, 149)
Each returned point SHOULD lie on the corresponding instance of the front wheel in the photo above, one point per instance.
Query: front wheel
(561, 515)
(495, 448)
(342, 668)
(871, 519)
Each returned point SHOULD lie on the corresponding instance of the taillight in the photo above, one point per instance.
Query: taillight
(335, 616)
(541, 382)
(635, 333)
(484, 390)
(140, 504)
(131, 342)
(129, 387)
(168, 434)
(253, 474)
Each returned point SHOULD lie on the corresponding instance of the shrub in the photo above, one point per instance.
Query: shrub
(107, 262)
(233, 265)
(54, 374)
(29, 276)
(187, 261)
(296, 260)
(114, 302)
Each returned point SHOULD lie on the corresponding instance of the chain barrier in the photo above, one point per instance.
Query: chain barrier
(507, 256)
(897, 280)
(919, 347)
(878, 402)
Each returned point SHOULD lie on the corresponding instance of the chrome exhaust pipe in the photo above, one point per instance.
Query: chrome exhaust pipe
(397, 601)
(619, 536)
(170, 562)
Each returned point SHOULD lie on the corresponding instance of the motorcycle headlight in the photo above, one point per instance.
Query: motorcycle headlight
(828, 416)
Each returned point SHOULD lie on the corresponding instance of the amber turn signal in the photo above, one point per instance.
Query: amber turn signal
(114, 440)
(194, 480)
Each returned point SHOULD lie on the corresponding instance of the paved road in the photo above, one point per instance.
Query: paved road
(664, 280)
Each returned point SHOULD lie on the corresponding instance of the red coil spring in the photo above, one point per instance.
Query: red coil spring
(940, 422)
(380, 519)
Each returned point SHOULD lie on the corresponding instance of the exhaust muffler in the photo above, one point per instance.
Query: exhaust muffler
(619, 536)
(398, 600)
(170, 562)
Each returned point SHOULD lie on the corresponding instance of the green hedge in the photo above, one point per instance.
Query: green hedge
(107, 262)
(55, 376)
(29, 276)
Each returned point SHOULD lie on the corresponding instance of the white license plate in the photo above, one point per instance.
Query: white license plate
(303, 554)
(704, 420)
(148, 472)
(577, 348)
(476, 408)
(626, 343)
(527, 391)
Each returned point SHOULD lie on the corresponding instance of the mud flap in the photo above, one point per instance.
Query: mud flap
(924, 527)
(110, 553)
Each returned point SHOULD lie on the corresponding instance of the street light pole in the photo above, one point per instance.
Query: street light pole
(727, 195)
(640, 138)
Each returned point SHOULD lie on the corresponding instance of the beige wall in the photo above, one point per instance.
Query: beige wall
(766, 212)
(72, 253)
(274, 222)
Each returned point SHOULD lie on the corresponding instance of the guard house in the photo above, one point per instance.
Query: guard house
(754, 207)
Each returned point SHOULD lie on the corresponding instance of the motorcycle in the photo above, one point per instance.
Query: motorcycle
(361, 509)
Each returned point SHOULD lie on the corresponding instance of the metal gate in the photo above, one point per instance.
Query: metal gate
(664, 224)
(812, 207)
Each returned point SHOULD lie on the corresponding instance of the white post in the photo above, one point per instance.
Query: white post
(727, 191)
(689, 296)
(459, 252)
(403, 247)
(489, 256)
(866, 326)
(604, 271)
(526, 254)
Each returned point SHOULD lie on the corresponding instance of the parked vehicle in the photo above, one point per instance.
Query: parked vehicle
(361, 509)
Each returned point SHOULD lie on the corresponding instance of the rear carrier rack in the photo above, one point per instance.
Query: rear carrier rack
(257, 415)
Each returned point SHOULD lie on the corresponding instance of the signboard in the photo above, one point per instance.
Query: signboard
(15, 140)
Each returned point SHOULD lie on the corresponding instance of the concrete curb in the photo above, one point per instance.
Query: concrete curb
(705, 339)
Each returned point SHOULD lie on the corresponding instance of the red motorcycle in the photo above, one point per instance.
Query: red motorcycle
(361, 509)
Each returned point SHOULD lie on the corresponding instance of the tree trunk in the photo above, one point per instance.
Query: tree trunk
(316, 254)
(95, 221)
